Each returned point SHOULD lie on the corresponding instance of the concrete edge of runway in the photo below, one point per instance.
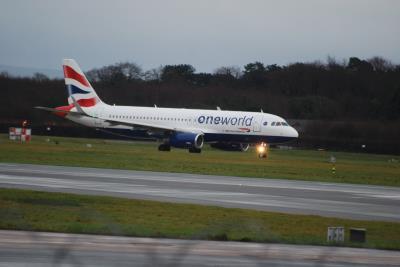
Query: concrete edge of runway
(100, 243)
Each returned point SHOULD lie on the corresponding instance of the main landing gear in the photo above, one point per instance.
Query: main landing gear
(167, 147)
(262, 150)
(164, 147)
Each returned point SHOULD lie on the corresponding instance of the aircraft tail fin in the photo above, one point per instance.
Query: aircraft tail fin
(78, 86)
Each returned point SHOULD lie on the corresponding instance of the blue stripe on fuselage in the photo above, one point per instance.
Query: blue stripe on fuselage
(212, 137)
(240, 138)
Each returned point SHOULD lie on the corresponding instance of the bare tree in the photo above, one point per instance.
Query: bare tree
(333, 64)
(153, 74)
(233, 71)
(131, 71)
(380, 64)
(40, 77)
(117, 72)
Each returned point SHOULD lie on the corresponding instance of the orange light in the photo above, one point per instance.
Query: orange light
(261, 148)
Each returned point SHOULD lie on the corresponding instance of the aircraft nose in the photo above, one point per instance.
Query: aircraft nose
(294, 133)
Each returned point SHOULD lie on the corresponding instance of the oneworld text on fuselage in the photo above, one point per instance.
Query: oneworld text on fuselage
(235, 121)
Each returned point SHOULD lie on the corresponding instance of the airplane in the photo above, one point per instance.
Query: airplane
(174, 127)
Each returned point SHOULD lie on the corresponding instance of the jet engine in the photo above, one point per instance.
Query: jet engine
(187, 140)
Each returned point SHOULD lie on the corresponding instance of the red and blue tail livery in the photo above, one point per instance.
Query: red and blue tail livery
(78, 86)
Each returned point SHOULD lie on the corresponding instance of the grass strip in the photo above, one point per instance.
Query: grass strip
(359, 168)
(70, 213)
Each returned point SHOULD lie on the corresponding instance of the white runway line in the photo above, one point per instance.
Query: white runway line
(329, 199)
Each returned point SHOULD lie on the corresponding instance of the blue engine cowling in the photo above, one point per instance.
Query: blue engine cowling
(187, 140)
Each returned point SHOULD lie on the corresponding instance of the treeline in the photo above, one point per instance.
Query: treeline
(357, 89)
(359, 92)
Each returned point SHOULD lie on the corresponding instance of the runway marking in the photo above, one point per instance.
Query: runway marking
(249, 182)
(353, 201)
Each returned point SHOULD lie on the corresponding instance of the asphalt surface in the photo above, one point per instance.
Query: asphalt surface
(326, 199)
(18, 248)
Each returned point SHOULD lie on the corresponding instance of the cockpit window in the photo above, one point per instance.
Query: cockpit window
(265, 123)
(279, 123)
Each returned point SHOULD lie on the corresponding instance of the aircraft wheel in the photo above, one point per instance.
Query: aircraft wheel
(164, 147)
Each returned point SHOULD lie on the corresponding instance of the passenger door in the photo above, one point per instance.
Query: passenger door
(256, 125)
(98, 112)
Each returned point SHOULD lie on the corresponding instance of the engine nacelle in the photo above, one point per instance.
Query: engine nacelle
(187, 140)
(243, 147)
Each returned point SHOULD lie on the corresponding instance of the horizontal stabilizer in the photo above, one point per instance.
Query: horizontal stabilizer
(56, 110)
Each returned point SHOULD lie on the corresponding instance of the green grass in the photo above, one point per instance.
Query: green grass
(58, 212)
(286, 164)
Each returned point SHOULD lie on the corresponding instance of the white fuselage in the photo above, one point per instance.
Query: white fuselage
(216, 125)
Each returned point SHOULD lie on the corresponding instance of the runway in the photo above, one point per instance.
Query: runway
(18, 248)
(326, 199)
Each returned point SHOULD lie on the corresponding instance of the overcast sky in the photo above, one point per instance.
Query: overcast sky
(204, 33)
